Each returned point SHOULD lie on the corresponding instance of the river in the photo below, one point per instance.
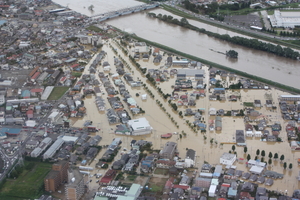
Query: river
(252, 61)
(100, 6)
(255, 62)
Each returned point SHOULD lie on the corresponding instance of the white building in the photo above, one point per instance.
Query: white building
(228, 159)
(249, 133)
(256, 170)
(256, 163)
(47, 92)
(42, 146)
(258, 134)
(212, 191)
(30, 123)
(54, 116)
(285, 19)
(139, 126)
(54, 147)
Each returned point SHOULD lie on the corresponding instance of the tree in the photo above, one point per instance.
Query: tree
(270, 155)
(262, 160)
(275, 155)
(245, 149)
(263, 153)
(257, 152)
(184, 21)
(248, 157)
(232, 54)
(233, 147)
(284, 165)
(270, 161)
(281, 157)
(290, 166)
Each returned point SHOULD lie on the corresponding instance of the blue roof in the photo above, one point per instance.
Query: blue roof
(14, 131)
(216, 174)
(25, 93)
(219, 88)
(232, 192)
(2, 22)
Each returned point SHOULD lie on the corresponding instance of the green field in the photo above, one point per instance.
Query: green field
(57, 92)
(29, 185)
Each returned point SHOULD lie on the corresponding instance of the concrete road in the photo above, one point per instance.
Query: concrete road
(267, 23)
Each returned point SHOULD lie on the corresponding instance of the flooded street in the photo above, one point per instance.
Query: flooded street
(263, 64)
(259, 63)
(205, 151)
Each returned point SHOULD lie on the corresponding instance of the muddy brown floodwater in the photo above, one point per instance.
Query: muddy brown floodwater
(162, 124)
(260, 63)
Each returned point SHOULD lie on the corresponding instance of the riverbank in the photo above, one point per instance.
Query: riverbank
(246, 32)
(213, 64)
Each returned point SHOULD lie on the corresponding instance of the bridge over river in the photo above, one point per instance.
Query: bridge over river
(124, 11)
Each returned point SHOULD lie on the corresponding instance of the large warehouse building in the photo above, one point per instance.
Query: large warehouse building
(285, 19)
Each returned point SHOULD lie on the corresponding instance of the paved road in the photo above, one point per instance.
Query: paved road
(232, 26)
(267, 23)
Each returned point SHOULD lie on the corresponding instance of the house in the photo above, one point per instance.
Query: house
(260, 180)
(253, 177)
(169, 150)
(165, 163)
(184, 180)
(257, 103)
(108, 177)
(228, 159)
(202, 182)
(206, 168)
(269, 103)
(260, 191)
(218, 123)
(247, 187)
(212, 111)
(252, 163)
(240, 138)
(31, 144)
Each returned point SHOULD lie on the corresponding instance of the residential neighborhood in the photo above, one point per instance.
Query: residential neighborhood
(89, 112)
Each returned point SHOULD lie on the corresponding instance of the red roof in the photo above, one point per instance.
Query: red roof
(36, 90)
(169, 183)
(109, 175)
(35, 75)
(4, 6)
(29, 112)
(168, 135)
(75, 65)
(244, 195)
(225, 185)
(184, 187)
(63, 79)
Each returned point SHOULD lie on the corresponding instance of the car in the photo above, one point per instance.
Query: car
(90, 180)
(97, 181)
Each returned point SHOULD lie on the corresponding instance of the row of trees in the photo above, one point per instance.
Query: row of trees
(169, 115)
(289, 34)
(138, 66)
(263, 154)
(250, 43)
